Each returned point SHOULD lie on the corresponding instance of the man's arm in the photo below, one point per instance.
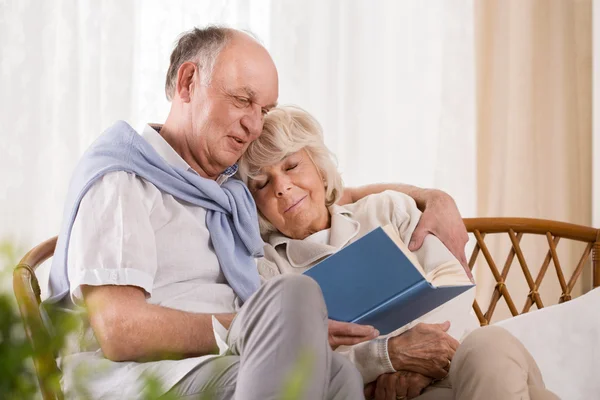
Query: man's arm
(351, 195)
(440, 216)
(130, 329)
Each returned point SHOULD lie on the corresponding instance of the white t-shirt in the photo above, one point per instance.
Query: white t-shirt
(127, 232)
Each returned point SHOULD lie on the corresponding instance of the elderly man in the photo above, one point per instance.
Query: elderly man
(158, 245)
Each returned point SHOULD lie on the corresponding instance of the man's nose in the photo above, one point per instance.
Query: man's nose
(252, 122)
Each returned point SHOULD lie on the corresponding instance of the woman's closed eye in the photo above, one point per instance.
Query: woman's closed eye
(260, 185)
(290, 167)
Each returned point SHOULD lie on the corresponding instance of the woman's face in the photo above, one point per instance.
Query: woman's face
(291, 196)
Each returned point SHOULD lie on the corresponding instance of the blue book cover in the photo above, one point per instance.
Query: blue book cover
(373, 282)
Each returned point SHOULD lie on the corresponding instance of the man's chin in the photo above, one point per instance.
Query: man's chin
(229, 158)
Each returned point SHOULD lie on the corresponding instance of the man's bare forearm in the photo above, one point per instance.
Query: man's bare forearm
(162, 333)
(352, 195)
(130, 329)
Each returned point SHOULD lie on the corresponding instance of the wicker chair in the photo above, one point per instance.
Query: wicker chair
(515, 228)
(27, 289)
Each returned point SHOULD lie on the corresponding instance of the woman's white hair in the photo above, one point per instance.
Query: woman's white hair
(287, 130)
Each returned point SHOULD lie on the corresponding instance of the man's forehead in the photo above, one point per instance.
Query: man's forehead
(249, 70)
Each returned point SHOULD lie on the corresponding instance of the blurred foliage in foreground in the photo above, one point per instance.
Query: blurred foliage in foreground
(18, 380)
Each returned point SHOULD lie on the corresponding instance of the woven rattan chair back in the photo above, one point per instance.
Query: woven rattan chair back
(515, 228)
(27, 292)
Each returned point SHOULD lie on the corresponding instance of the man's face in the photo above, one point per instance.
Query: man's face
(227, 115)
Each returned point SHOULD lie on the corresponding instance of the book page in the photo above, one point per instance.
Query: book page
(391, 232)
(450, 273)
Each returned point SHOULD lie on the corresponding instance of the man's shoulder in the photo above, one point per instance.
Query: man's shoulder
(116, 179)
(388, 200)
(121, 184)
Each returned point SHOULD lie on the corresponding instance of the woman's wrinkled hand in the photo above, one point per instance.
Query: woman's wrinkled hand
(397, 385)
(348, 333)
(426, 349)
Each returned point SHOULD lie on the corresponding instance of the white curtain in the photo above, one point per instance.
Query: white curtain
(534, 82)
(392, 83)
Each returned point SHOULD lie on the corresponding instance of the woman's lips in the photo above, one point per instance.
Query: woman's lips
(293, 206)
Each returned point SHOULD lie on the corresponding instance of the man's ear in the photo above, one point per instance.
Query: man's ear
(185, 81)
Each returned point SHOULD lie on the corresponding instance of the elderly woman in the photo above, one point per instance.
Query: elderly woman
(295, 183)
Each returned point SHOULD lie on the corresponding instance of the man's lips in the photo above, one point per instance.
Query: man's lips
(237, 142)
(294, 205)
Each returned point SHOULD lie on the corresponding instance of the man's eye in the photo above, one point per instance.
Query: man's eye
(244, 101)
(264, 112)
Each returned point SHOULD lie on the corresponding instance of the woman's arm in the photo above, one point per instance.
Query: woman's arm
(425, 349)
(370, 358)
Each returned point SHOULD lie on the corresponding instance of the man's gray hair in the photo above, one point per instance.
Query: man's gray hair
(201, 46)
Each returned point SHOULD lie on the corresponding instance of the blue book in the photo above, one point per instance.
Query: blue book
(381, 286)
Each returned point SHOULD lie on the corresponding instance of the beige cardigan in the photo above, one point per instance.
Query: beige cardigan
(349, 223)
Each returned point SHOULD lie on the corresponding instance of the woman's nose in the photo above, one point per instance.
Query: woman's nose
(282, 191)
(282, 186)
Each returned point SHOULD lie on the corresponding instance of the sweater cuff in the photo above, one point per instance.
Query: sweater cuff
(371, 359)
(385, 357)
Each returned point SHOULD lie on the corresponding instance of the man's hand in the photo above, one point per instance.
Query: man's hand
(348, 334)
(442, 219)
(398, 385)
(426, 349)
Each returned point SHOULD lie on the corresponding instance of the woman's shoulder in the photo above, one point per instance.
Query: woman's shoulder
(275, 262)
(383, 209)
(267, 265)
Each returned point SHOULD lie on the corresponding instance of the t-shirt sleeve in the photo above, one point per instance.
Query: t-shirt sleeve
(112, 241)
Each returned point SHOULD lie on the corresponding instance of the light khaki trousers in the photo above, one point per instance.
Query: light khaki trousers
(491, 364)
(279, 349)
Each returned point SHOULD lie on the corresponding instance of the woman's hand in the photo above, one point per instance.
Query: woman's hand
(426, 349)
(398, 385)
(348, 334)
